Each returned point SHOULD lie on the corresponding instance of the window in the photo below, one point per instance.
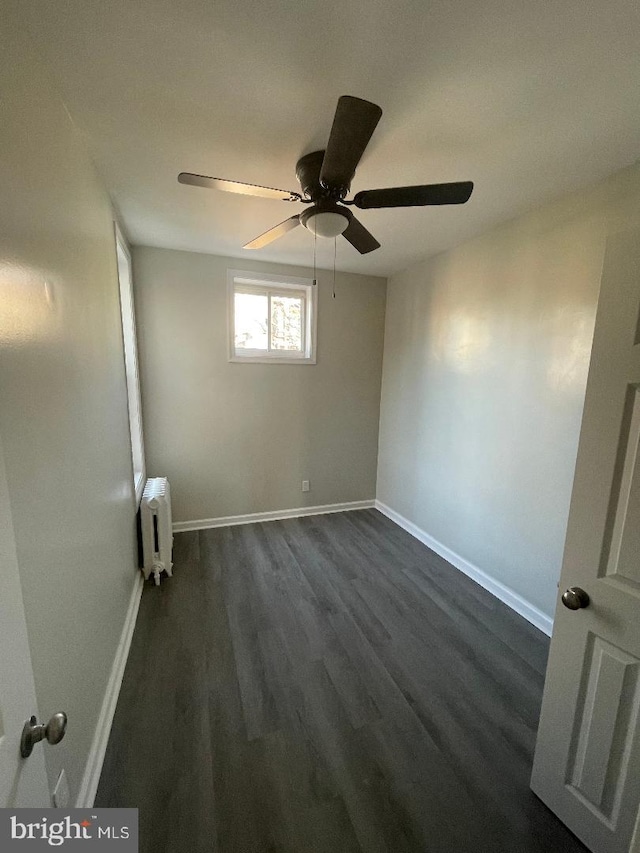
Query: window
(131, 362)
(271, 318)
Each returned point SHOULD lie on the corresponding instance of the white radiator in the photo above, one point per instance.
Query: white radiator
(157, 533)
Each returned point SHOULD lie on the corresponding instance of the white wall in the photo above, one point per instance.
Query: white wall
(63, 405)
(486, 357)
(240, 438)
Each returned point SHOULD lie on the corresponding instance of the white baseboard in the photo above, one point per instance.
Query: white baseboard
(93, 768)
(541, 621)
(275, 515)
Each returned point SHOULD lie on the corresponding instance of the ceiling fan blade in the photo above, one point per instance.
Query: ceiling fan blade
(273, 233)
(353, 126)
(236, 187)
(454, 193)
(359, 237)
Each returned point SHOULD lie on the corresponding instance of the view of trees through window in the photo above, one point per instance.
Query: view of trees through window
(286, 322)
(252, 313)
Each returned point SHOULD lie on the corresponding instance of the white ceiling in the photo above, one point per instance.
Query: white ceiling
(528, 99)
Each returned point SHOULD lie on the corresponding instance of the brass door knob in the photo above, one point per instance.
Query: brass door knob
(575, 598)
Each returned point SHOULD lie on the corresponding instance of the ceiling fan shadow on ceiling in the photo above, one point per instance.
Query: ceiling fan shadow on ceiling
(325, 179)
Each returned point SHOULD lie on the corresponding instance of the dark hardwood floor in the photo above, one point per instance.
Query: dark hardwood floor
(328, 685)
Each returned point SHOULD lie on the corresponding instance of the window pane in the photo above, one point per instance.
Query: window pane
(286, 323)
(251, 320)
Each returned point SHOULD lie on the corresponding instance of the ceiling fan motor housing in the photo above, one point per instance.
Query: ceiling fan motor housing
(325, 217)
(308, 175)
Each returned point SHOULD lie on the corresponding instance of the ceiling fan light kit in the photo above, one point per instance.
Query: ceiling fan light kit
(325, 178)
(324, 223)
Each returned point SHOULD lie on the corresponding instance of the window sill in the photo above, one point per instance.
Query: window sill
(262, 359)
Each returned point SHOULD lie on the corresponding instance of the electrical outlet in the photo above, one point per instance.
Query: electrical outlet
(305, 485)
(61, 795)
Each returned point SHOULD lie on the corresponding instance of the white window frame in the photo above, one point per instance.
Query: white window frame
(242, 281)
(128, 316)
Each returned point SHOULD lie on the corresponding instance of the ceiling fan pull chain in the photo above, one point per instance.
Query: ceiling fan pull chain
(335, 242)
(315, 243)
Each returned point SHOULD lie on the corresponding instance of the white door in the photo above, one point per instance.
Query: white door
(23, 782)
(587, 760)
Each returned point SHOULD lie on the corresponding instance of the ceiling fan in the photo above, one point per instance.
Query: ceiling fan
(325, 178)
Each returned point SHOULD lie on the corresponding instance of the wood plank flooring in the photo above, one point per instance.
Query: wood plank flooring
(328, 685)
